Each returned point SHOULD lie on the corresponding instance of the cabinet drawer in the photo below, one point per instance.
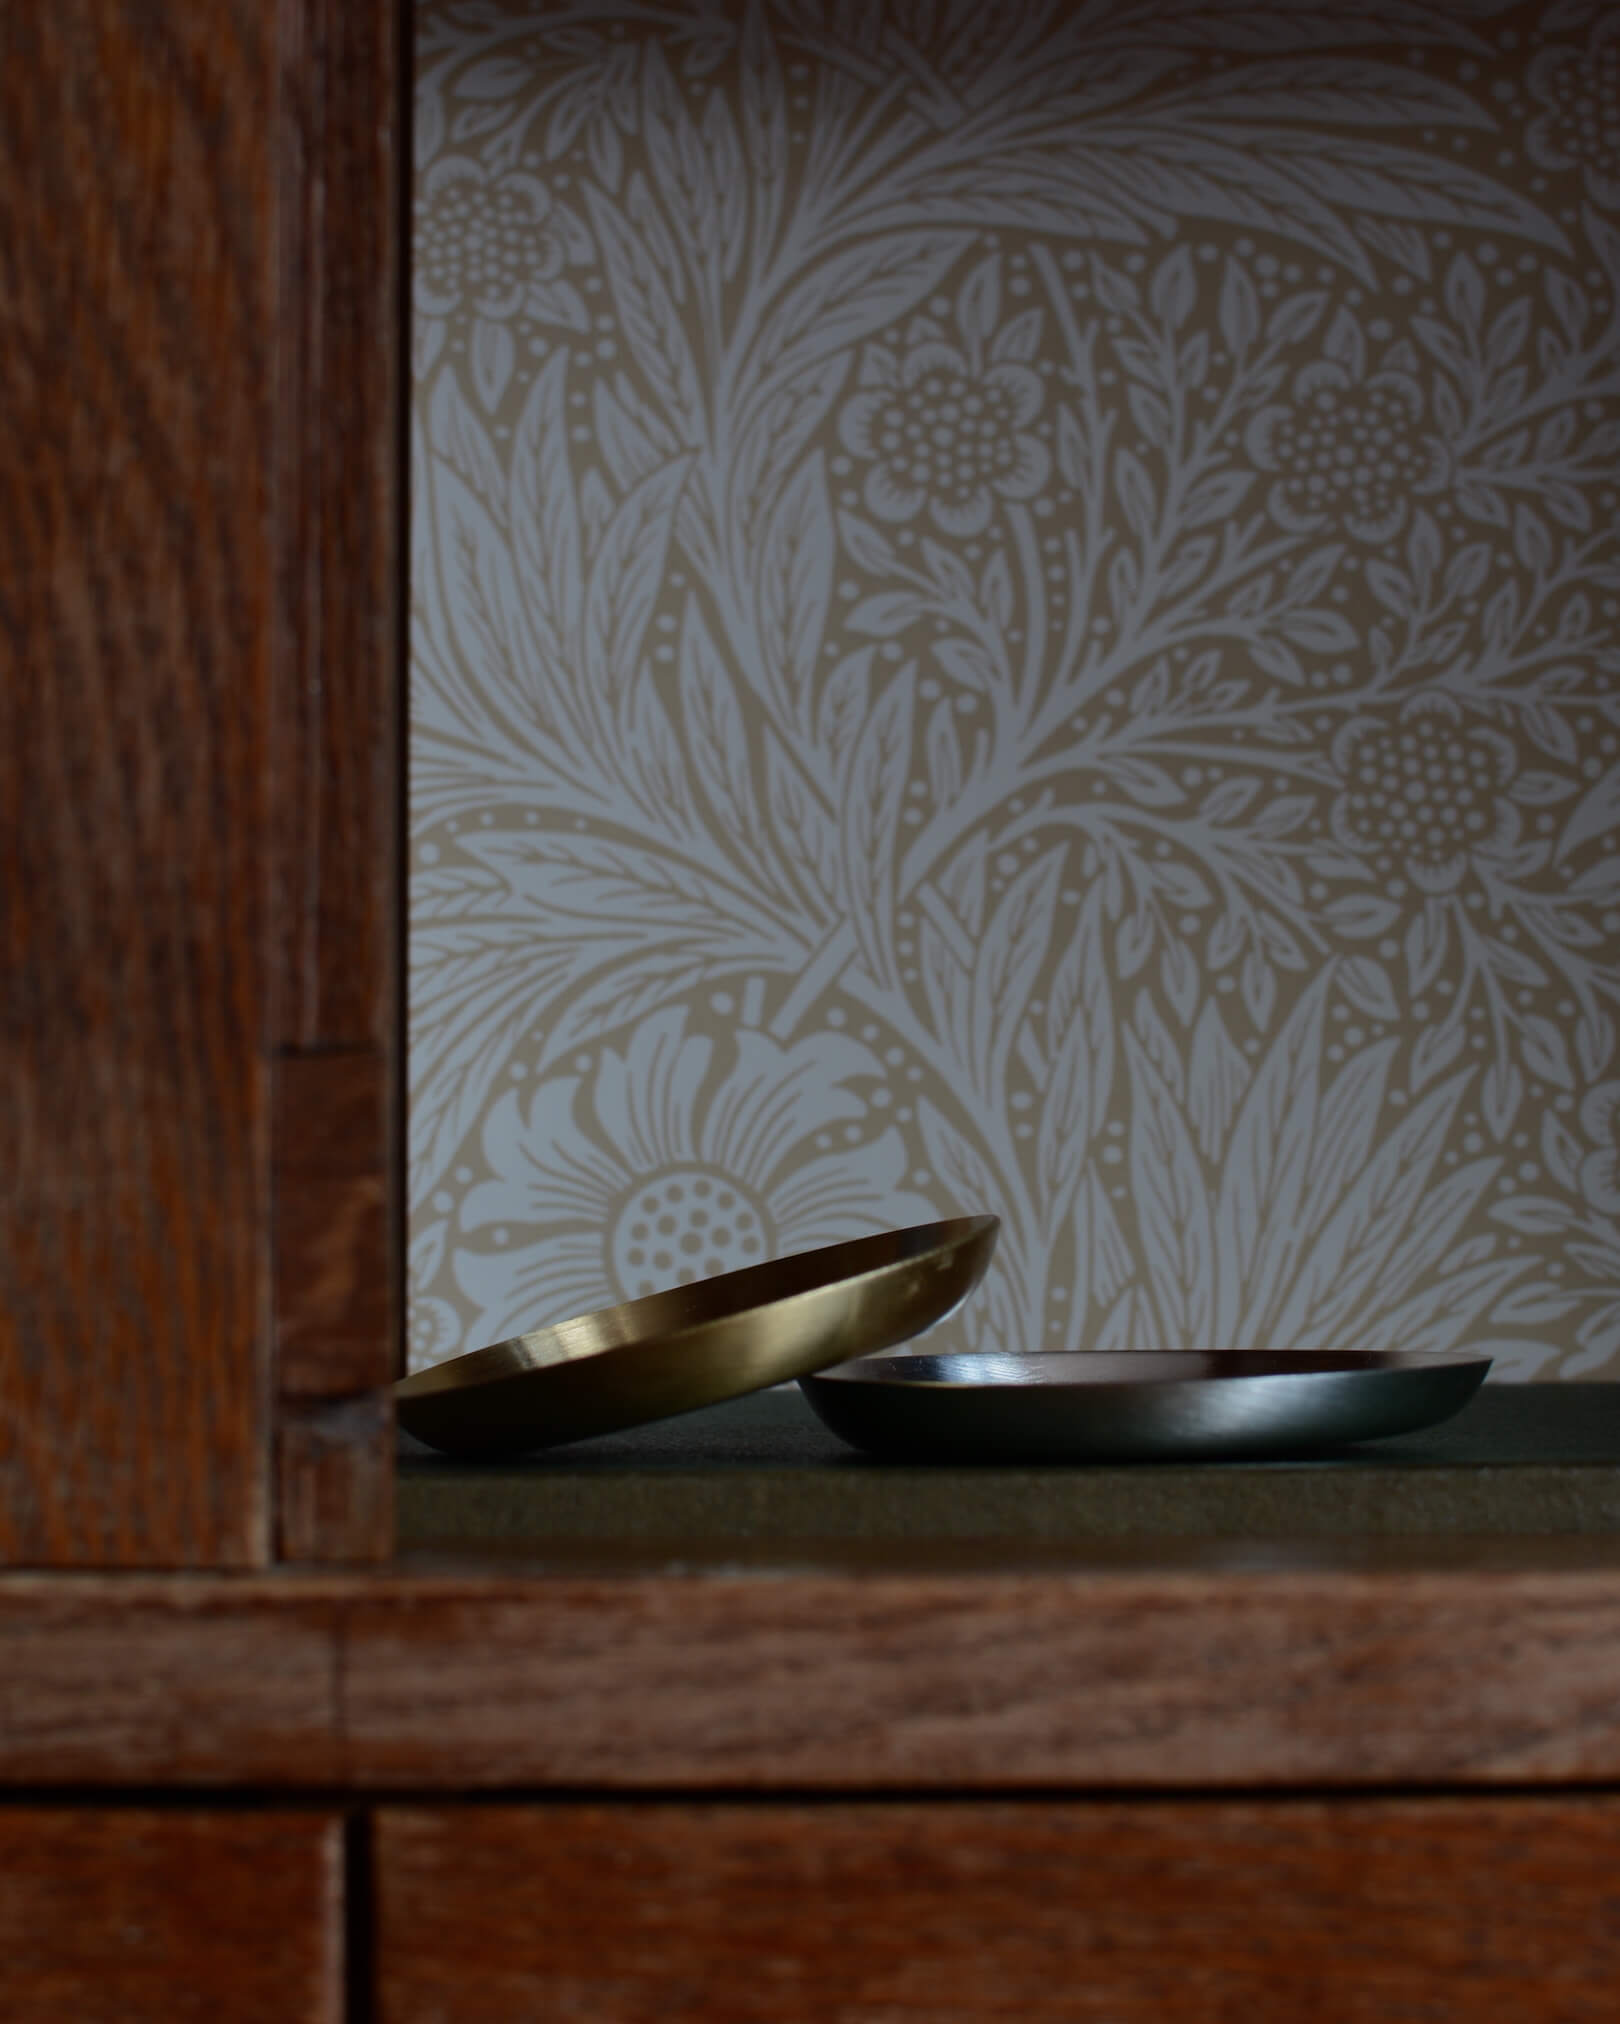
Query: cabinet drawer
(136, 1917)
(1261, 1912)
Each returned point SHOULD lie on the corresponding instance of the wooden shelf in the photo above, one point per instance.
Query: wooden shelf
(1142, 1665)
(1519, 1459)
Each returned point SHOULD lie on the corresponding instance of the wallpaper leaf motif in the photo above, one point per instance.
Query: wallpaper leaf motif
(1022, 620)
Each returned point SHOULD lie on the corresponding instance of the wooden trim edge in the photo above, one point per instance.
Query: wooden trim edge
(1475, 1667)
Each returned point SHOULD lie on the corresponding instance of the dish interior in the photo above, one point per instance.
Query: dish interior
(730, 1298)
(697, 1345)
(1088, 1367)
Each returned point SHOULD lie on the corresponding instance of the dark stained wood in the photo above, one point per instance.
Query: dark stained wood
(145, 1680)
(334, 1297)
(337, 763)
(1357, 1912)
(1467, 1666)
(134, 1917)
(138, 283)
(199, 778)
(1133, 1675)
(341, 702)
(336, 1470)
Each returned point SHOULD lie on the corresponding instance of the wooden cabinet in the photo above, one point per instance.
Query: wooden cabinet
(140, 1916)
(1351, 1911)
(200, 590)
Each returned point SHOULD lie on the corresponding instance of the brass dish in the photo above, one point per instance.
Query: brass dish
(696, 1345)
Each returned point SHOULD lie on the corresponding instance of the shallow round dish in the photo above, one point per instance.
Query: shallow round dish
(1150, 1405)
(696, 1345)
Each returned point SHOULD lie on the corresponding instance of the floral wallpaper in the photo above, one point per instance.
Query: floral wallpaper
(1018, 607)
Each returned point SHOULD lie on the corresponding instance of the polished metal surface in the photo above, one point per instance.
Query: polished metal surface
(1152, 1405)
(697, 1345)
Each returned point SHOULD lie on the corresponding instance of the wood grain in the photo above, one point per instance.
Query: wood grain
(337, 764)
(138, 274)
(139, 1680)
(1177, 1668)
(334, 1297)
(199, 771)
(342, 501)
(1357, 1912)
(336, 1473)
(135, 1917)
(1081, 1675)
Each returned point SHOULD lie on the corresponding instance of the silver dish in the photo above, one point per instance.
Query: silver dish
(1150, 1405)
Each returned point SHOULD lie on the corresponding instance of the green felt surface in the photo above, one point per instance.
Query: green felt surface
(1517, 1459)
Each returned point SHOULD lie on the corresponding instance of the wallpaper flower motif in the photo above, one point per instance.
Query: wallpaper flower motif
(1019, 608)
(1346, 452)
(480, 240)
(1580, 89)
(658, 1169)
(1423, 793)
(939, 434)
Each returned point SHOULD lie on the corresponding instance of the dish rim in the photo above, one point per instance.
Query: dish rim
(868, 1371)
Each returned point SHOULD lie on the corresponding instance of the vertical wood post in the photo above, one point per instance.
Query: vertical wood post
(199, 784)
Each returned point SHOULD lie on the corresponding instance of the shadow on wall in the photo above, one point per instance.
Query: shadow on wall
(1016, 608)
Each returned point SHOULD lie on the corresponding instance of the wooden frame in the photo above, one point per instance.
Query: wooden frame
(337, 1132)
(199, 1305)
(199, 763)
(201, 750)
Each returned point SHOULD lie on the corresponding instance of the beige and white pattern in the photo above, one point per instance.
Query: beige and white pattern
(1018, 607)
